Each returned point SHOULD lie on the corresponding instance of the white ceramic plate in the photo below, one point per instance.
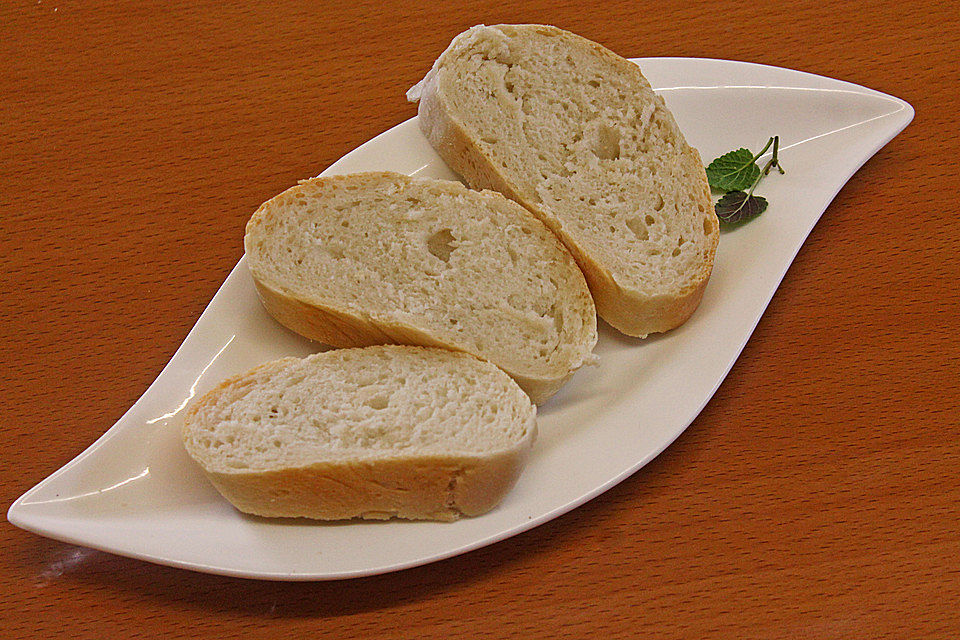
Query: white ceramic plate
(135, 492)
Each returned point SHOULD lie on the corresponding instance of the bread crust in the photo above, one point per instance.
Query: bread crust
(341, 328)
(628, 310)
(421, 488)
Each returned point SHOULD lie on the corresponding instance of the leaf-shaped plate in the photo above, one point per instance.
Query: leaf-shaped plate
(134, 492)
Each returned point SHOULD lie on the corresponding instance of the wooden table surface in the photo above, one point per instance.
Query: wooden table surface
(816, 495)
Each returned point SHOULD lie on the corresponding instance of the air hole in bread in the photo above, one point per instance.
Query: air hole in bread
(675, 252)
(334, 251)
(489, 140)
(377, 402)
(594, 83)
(639, 228)
(707, 225)
(649, 220)
(441, 244)
(658, 205)
(608, 143)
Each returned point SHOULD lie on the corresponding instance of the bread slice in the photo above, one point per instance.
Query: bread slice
(380, 258)
(575, 134)
(376, 432)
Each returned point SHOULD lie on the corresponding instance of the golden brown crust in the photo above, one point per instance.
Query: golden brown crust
(418, 488)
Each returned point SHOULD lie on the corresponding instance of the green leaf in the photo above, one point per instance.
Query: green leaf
(738, 206)
(734, 171)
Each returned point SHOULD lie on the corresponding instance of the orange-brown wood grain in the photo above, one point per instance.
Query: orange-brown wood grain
(814, 497)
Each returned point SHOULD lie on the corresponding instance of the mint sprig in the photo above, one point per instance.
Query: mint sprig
(734, 173)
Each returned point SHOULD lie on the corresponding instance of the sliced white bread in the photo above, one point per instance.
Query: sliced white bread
(376, 432)
(575, 134)
(379, 258)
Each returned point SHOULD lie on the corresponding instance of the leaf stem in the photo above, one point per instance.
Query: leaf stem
(774, 161)
(771, 141)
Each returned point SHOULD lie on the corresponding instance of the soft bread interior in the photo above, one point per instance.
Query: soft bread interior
(581, 136)
(358, 405)
(473, 270)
